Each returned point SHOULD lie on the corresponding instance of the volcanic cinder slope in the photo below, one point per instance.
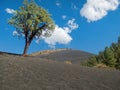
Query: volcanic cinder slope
(35, 73)
(61, 55)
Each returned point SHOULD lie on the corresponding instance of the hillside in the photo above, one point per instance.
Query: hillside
(30, 73)
(75, 56)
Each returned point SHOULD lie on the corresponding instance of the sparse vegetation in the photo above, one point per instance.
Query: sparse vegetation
(68, 62)
(110, 57)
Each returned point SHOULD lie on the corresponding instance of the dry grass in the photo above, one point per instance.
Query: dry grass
(104, 66)
(68, 62)
(101, 66)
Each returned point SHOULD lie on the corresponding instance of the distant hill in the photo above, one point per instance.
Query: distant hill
(8, 53)
(75, 56)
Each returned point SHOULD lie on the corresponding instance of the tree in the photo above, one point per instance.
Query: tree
(115, 47)
(100, 57)
(92, 61)
(110, 59)
(32, 20)
(117, 53)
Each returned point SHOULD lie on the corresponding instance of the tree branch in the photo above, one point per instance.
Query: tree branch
(35, 32)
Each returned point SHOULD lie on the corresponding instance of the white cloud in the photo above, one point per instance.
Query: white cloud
(64, 17)
(95, 10)
(74, 7)
(61, 35)
(58, 4)
(38, 40)
(71, 25)
(10, 11)
(15, 33)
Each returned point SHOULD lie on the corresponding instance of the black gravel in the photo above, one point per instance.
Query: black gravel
(75, 56)
(29, 73)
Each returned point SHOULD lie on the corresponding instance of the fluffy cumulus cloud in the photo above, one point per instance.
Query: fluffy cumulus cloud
(95, 10)
(10, 11)
(61, 35)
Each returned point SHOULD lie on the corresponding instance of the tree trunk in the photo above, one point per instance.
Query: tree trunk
(27, 44)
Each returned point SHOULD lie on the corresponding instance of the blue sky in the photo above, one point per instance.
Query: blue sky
(88, 25)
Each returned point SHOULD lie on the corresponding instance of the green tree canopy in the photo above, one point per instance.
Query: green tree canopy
(109, 57)
(32, 20)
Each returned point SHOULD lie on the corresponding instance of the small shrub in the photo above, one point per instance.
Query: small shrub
(92, 62)
(68, 62)
(101, 65)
